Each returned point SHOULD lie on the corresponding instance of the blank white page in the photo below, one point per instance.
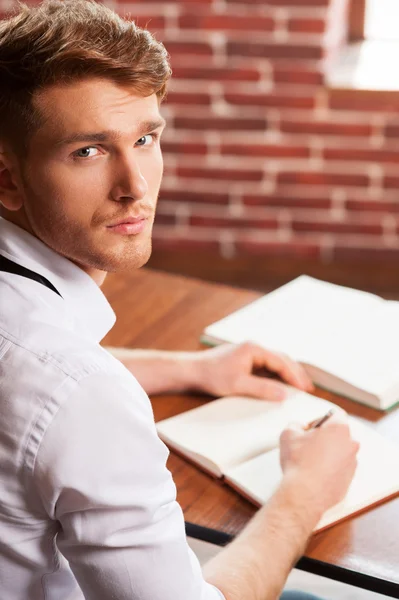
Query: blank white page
(345, 332)
(230, 430)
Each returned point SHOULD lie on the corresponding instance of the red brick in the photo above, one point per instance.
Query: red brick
(182, 195)
(150, 22)
(308, 3)
(341, 227)
(373, 206)
(298, 75)
(181, 59)
(322, 178)
(184, 147)
(190, 3)
(286, 201)
(392, 131)
(220, 124)
(359, 100)
(225, 22)
(271, 100)
(165, 219)
(220, 174)
(307, 25)
(294, 249)
(384, 156)
(269, 150)
(238, 223)
(325, 128)
(189, 48)
(216, 74)
(370, 254)
(260, 50)
(186, 98)
(391, 182)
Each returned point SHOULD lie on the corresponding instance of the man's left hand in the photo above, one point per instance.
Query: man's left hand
(231, 369)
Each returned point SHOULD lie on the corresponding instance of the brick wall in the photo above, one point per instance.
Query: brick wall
(260, 157)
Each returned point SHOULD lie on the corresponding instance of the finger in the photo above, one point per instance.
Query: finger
(294, 428)
(261, 387)
(289, 370)
(303, 379)
(290, 433)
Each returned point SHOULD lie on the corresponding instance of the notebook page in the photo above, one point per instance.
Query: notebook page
(342, 331)
(377, 474)
(230, 430)
(376, 477)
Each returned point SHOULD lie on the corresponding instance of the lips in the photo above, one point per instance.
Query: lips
(128, 221)
(130, 226)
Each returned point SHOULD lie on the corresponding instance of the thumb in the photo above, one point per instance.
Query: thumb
(291, 432)
(261, 387)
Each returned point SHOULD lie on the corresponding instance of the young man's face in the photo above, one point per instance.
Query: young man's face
(95, 161)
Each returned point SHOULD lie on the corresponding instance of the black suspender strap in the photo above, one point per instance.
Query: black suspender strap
(11, 267)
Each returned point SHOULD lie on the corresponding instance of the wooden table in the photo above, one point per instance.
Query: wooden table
(157, 310)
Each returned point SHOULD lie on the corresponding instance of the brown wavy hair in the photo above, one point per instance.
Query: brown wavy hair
(62, 41)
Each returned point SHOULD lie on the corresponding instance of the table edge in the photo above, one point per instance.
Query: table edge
(305, 563)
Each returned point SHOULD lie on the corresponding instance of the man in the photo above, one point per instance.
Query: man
(87, 506)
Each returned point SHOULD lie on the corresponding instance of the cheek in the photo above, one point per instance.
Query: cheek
(75, 190)
(152, 170)
(78, 179)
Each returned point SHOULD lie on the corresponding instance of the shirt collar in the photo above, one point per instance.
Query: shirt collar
(81, 294)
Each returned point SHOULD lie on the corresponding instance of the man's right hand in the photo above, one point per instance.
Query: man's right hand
(322, 460)
(318, 466)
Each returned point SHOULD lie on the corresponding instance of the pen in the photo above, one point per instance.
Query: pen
(319, 422)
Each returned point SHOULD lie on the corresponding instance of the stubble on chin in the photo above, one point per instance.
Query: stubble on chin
(130, 259)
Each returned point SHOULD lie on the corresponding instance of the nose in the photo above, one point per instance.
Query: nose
(128, 181)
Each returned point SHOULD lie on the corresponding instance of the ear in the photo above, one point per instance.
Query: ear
(10, 196)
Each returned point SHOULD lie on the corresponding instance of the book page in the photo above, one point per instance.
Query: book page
(231, 430)
(376, 477)
(377, 474)
(342, 331)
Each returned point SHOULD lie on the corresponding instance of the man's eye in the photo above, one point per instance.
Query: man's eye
(146, 140)
(85, 152)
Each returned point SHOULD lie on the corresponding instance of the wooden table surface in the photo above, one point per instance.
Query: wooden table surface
(158, 310)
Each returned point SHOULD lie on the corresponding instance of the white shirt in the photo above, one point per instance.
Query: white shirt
(87, 506)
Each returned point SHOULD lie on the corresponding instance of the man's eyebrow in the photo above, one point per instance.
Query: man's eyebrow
(109, 135)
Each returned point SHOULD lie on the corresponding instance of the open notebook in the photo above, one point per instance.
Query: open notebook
(346, 339)
(237, 438)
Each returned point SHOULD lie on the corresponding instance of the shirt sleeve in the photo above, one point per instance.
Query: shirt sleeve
(101, 473)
